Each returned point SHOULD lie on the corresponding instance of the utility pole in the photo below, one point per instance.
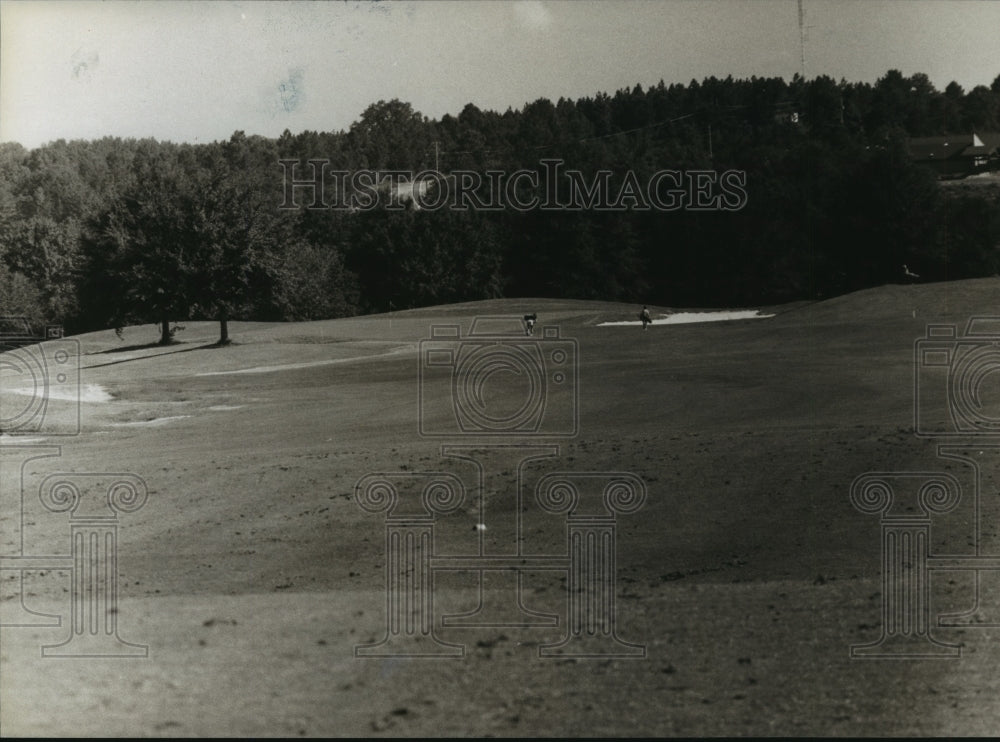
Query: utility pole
(802, 39)
(437, 169)
(803, 30)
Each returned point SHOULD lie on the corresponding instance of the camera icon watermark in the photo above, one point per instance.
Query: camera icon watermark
(956, 390)
(495, 381)
(956, 396)
(40, 385)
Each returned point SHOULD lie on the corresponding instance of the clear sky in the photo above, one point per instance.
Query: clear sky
(196, 71)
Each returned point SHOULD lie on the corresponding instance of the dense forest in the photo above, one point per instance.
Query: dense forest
(98, 234)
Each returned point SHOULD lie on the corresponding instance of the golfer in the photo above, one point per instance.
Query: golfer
(529, 323)
(645, 318)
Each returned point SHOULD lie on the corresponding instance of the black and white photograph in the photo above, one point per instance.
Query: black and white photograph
(499, 368)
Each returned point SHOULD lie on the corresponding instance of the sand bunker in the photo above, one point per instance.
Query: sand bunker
(69, 393)
(684, 318)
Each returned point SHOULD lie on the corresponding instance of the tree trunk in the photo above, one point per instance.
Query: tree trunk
(164, 332)
(224, 330)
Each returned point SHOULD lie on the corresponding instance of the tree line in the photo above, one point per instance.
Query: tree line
(112, 232)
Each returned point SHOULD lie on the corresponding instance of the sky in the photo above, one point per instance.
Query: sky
(198, 70)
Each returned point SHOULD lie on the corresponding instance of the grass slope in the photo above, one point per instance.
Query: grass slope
(252, 573)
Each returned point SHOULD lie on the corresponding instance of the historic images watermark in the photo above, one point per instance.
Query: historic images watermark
(496, 385)
(316, 185)
(955, 399)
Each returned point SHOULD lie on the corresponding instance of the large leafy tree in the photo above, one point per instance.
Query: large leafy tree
(391, 135)
(834, 204)
(143, 250)
(195, 234)
(240, 236)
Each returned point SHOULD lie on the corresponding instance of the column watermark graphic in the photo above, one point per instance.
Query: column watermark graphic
(954, 376)
(502, 399)
(93, 503)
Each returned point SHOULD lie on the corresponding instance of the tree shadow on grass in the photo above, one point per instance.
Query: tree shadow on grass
(148, 346)
(142, 346)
